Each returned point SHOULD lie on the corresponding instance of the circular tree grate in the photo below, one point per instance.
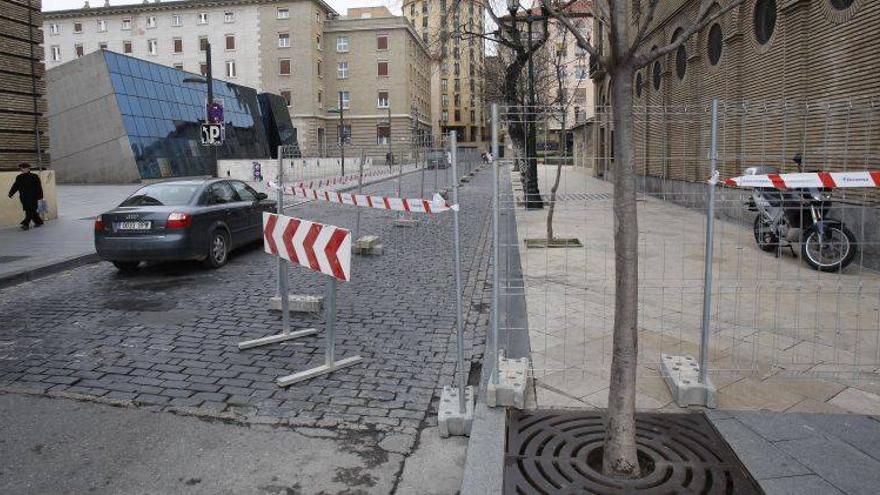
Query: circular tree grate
(551, 452)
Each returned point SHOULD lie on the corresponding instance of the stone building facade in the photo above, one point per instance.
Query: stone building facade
(23, 123)
(286, 48)
(457, 63)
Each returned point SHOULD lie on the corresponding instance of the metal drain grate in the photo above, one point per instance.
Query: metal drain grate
(548, 452)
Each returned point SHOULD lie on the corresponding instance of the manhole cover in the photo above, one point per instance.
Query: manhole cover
(548, 452)
(8, 259)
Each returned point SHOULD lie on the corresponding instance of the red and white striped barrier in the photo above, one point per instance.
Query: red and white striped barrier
(321, 248)
(805, 180)
(435, 205)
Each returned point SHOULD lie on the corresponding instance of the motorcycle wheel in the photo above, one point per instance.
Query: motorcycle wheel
(831, 254)
(766, 239)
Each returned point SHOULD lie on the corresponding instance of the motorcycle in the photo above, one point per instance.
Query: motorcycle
(799, 215)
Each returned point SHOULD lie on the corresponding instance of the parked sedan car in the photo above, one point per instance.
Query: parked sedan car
(200, 219)
(437, 159)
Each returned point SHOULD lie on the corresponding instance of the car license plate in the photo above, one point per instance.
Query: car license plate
(133, 226)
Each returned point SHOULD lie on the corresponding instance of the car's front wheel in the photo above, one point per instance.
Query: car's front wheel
(127, 266)
(218, 249)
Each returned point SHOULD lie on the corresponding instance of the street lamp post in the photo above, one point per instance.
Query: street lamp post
(209, 82)
(340, 111)
(533, 195)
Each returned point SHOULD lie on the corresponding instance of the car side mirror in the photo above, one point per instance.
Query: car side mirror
(261, 196)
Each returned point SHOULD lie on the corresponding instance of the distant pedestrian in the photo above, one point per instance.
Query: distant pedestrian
(30, 192)
(488, 157)
(389, 160)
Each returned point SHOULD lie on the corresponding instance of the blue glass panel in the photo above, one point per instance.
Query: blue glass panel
(112, 63)
(124, 107)
(142, 130)
(130, 126)
(116, 81)
(151, 89)
(140, 88)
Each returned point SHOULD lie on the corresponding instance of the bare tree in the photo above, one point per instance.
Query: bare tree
(627, 24)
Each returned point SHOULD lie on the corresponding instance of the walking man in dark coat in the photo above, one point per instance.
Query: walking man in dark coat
(30, 192)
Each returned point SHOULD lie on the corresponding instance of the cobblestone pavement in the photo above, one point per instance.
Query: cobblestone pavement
(165, 338)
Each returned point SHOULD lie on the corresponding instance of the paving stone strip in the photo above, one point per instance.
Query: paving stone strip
(165, 338)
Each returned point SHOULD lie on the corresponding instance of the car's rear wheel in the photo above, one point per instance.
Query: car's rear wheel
(218, 249)
(127, 266)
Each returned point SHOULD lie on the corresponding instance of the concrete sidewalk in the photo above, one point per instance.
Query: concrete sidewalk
(783, 337)
(804, 454)
(62, 243)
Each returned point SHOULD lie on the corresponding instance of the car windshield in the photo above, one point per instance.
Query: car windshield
(162, 195)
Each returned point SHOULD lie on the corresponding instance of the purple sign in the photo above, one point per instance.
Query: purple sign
(215, 113)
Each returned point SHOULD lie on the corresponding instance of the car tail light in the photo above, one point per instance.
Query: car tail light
(99, 223)
(178, 220)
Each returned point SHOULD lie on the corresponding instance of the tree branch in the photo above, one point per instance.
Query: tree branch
(643, 29)
(570, 27)
(703, 20)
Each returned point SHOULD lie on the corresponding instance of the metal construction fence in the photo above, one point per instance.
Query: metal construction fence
(762, 281)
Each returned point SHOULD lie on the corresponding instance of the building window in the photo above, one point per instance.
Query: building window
(285, 93)
(716, 44)
(228, 17)
(54, 29)
(444, 101)
(444, 116)
(203, 43)
(657, 75)
(203, 17)
(284, 67)
(473, 116)
(383, 134)
(444, 85)
(318, 41)
(77, 27)
(203, 69)
(283, 40)
(640, 84)
(424, 22)
(342, 44)
(102, 25)
(126, 47)
(178, 66)
(681, 56)
(457, 115)
(126, 24)
(78, 49)
(764, 20)
(102, 45)
(342, 70)
(56, 53)
(177, 45)
(580, 72)
(382, 68)
(841, 4)
(283, 14)
(345, 99)
(318, 68)
(383, 99)
(176, 20)
(230, 42)
(230, 68)
(153, 47)
(425, 37)
(320, 99)
(382, 42)
(151, 22)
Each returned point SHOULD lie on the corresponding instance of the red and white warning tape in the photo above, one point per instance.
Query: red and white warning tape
(435, 205)
(804, 180)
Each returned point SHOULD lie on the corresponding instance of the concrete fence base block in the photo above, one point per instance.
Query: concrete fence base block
(513, 378)
(299, 303)
(465, 178)
(450, 420)
(682, 376)
(368, 245)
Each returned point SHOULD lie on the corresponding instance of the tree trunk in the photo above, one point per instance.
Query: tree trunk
(620, 458)
(552, 206)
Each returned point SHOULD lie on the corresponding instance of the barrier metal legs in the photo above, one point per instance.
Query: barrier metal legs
(330, 362)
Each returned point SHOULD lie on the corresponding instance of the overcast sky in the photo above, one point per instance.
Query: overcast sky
(339, 5)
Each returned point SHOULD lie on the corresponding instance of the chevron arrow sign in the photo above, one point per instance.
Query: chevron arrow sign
(321, 248)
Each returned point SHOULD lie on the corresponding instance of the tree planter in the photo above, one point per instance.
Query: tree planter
(558, 242)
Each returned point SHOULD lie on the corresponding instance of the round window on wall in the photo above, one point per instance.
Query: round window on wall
(657, 74)
(764, 20)
(841, 4)
(716, 44)
(681, 56)
(640, 83)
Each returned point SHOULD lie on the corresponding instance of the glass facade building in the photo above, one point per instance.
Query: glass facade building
(162, 111)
